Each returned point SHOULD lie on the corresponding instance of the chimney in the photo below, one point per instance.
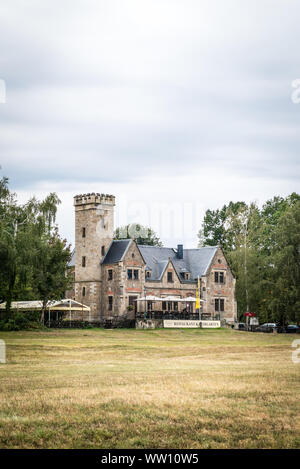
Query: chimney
(180, 251)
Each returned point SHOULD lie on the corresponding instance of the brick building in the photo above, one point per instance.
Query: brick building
(110, 275)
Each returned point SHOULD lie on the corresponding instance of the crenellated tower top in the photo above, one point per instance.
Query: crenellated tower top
(94, 199)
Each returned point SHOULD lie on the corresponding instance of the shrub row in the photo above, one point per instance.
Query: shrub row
(29, 320)
(106, 324)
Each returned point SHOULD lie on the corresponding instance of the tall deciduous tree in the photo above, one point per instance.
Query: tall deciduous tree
(33, 258)
(50, 257)
(262, 246)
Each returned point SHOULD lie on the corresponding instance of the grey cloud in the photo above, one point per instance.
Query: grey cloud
(113, 91)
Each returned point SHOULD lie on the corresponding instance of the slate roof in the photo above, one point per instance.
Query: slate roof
(195, 261)
(116, 251)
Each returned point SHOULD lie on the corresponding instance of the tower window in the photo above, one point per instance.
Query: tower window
(102, 250)
(83, 261)
(83, 232)
(110, 274)
(110, 303)
(83, 291)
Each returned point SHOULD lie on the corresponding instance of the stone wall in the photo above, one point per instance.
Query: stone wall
(212, 290)
(120, 287)
(164, 288)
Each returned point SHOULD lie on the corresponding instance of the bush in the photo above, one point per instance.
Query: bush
(9, 325)
(21, 321)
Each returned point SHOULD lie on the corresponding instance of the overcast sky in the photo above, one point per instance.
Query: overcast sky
(172, 106)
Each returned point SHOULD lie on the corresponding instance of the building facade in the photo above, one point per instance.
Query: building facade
(111, 275)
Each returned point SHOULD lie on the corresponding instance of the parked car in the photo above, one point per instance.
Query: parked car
(241, 326)
(292, 329)
(267, 327)
(270, 324)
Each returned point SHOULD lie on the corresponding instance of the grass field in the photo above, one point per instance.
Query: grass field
(149, 389)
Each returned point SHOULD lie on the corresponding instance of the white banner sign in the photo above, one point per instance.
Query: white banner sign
(168, 324)
(210, 324)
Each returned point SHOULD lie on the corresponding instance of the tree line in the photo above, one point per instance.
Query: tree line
(33, 256)
(262, 246)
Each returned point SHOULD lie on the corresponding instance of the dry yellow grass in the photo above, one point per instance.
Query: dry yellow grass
(149, 389)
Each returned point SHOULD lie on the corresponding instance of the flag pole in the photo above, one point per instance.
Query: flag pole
(198, 297)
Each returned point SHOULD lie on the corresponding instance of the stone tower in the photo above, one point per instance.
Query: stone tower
(94, 228)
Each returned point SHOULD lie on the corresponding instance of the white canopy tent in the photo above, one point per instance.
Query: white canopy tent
(55, 305)
(65, 305)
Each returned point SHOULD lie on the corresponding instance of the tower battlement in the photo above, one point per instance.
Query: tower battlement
(94, 198)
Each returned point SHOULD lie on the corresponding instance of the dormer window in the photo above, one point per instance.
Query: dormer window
(170, 277)
(185, 275)
(148, 274)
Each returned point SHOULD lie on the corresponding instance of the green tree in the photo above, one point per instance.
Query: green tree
(11, 218)
(33, 258)
(212, 232)
(141, 234)
(285, 255)
(262, 247)
(50, 277)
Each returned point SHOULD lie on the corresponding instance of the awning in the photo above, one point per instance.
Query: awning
(189, 299)
(149, 298)
(55, 305)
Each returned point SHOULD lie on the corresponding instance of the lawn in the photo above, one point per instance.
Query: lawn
(149, 389)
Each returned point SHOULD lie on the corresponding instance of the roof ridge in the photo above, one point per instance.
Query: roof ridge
(124, 239)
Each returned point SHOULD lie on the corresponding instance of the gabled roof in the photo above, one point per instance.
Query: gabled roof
(116, 251)
(195, 261)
